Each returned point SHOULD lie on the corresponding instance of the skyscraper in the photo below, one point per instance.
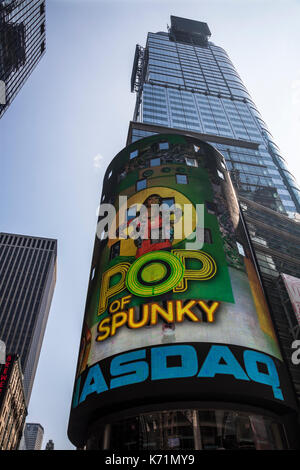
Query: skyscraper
(183, 81)
(171, 321)
(33, 435)
(22, 44)
(27, 280)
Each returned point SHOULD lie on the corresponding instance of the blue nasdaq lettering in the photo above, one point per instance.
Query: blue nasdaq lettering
(94, 382)
(175, 362)
(188, 362)
(130, 368)
(251, 360)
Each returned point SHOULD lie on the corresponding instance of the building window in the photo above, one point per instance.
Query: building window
(155, 162)
(133, 154)
(163, 145)
(181, 179)
(191, 162)
(141, 184)
(240, 249)
(109, 175)
(220, 174)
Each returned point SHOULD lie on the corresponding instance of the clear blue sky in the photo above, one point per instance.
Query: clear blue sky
(77, 105)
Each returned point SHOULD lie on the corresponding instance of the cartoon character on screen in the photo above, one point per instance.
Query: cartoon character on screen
(154, 234)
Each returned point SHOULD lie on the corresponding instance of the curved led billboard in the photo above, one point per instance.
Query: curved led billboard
(175, 308)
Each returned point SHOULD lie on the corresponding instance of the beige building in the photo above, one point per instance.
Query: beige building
(13, 409)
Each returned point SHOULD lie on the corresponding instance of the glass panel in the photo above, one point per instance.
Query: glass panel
(141, 184)
(191, 429)
(155, 162)
(163, 145)
(191, 161)
(181, 179)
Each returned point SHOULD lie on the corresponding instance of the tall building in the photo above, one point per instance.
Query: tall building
(13, 408)
(22, 44)
(27, 280)
(170, 319)
(185, 82)
(33, 434)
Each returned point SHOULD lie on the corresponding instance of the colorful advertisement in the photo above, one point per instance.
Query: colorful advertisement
(174, 293)
(5, 373)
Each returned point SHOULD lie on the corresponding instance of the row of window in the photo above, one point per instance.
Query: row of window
(179, 177)
(157, 161)
(157, 91)
(209, 102)
(191, 112)
(161, 146)
(27, 242)
(211, 60)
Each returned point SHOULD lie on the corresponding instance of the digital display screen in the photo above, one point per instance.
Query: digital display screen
(175, 293)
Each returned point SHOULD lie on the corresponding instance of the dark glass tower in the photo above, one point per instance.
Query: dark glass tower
(22, 44)
(185, 81)
(27, 280)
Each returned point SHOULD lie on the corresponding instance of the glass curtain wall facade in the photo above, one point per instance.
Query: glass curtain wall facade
(27, 280)
(22, 44)
(185, 81)
(197, 429)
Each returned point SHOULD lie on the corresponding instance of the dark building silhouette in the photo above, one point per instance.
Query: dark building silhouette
(27, 280)
(22, 44)
(49, 445)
